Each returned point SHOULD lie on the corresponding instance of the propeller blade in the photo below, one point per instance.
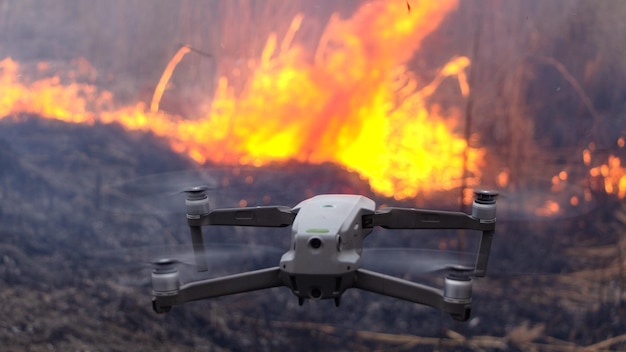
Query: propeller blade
(169, 183)
(544, 203)
(220, 257)
(401, 261)
(227, 186)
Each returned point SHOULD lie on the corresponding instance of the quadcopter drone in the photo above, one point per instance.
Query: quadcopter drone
(324, 257)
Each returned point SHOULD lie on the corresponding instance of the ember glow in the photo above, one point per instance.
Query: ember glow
(612, 176)
(351, 100)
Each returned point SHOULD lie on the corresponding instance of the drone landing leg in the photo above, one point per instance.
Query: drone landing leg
(409, 291)
(221, 286)
(483, 253)
(198, 247)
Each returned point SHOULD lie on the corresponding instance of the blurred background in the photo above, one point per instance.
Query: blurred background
(108, 109)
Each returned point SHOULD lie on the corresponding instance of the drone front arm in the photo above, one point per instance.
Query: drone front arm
(198, 215)
(410, 291)
(262, 216)
(410, 218)
(216, 287)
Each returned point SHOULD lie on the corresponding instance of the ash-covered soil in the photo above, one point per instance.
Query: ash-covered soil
(77, 225)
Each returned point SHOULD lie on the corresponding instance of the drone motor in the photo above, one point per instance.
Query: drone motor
(197, 203)
(165, 277)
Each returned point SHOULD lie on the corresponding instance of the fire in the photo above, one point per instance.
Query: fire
(610, 175)
(351, 101)
(550, 207)
(49, 97)
(167, 73)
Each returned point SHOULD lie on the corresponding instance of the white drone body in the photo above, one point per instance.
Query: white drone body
(324, 257)
(326, 246)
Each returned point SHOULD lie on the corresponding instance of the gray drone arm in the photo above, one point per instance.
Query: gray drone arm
(412, 292)
(266, 216)
(262, 216)
(483, 219)
(200, 214)
(410, 218)
(166, 292)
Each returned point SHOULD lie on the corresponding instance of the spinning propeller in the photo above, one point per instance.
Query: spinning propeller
(416, 261)
(164, 193)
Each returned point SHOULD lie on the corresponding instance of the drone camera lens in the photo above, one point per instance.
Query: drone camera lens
(315, 293)
(315, 243)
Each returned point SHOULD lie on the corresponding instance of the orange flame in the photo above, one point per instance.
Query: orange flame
(165, 77)
(612, 175)
(353, 102)
(49, 97)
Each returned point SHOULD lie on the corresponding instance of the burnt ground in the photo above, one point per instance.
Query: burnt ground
(75, 234)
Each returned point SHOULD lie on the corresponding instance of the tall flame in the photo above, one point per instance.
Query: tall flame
(351, 101)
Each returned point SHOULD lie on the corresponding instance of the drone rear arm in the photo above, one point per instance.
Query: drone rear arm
(410, 291)
(262, 216)
(410, 218)
(198, 215)
(221, 286)
(483, 219)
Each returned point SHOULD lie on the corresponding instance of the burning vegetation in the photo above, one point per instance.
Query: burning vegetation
(414, 97)
(351, 98)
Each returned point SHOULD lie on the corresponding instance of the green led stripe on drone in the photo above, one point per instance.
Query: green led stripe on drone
(317, 230)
